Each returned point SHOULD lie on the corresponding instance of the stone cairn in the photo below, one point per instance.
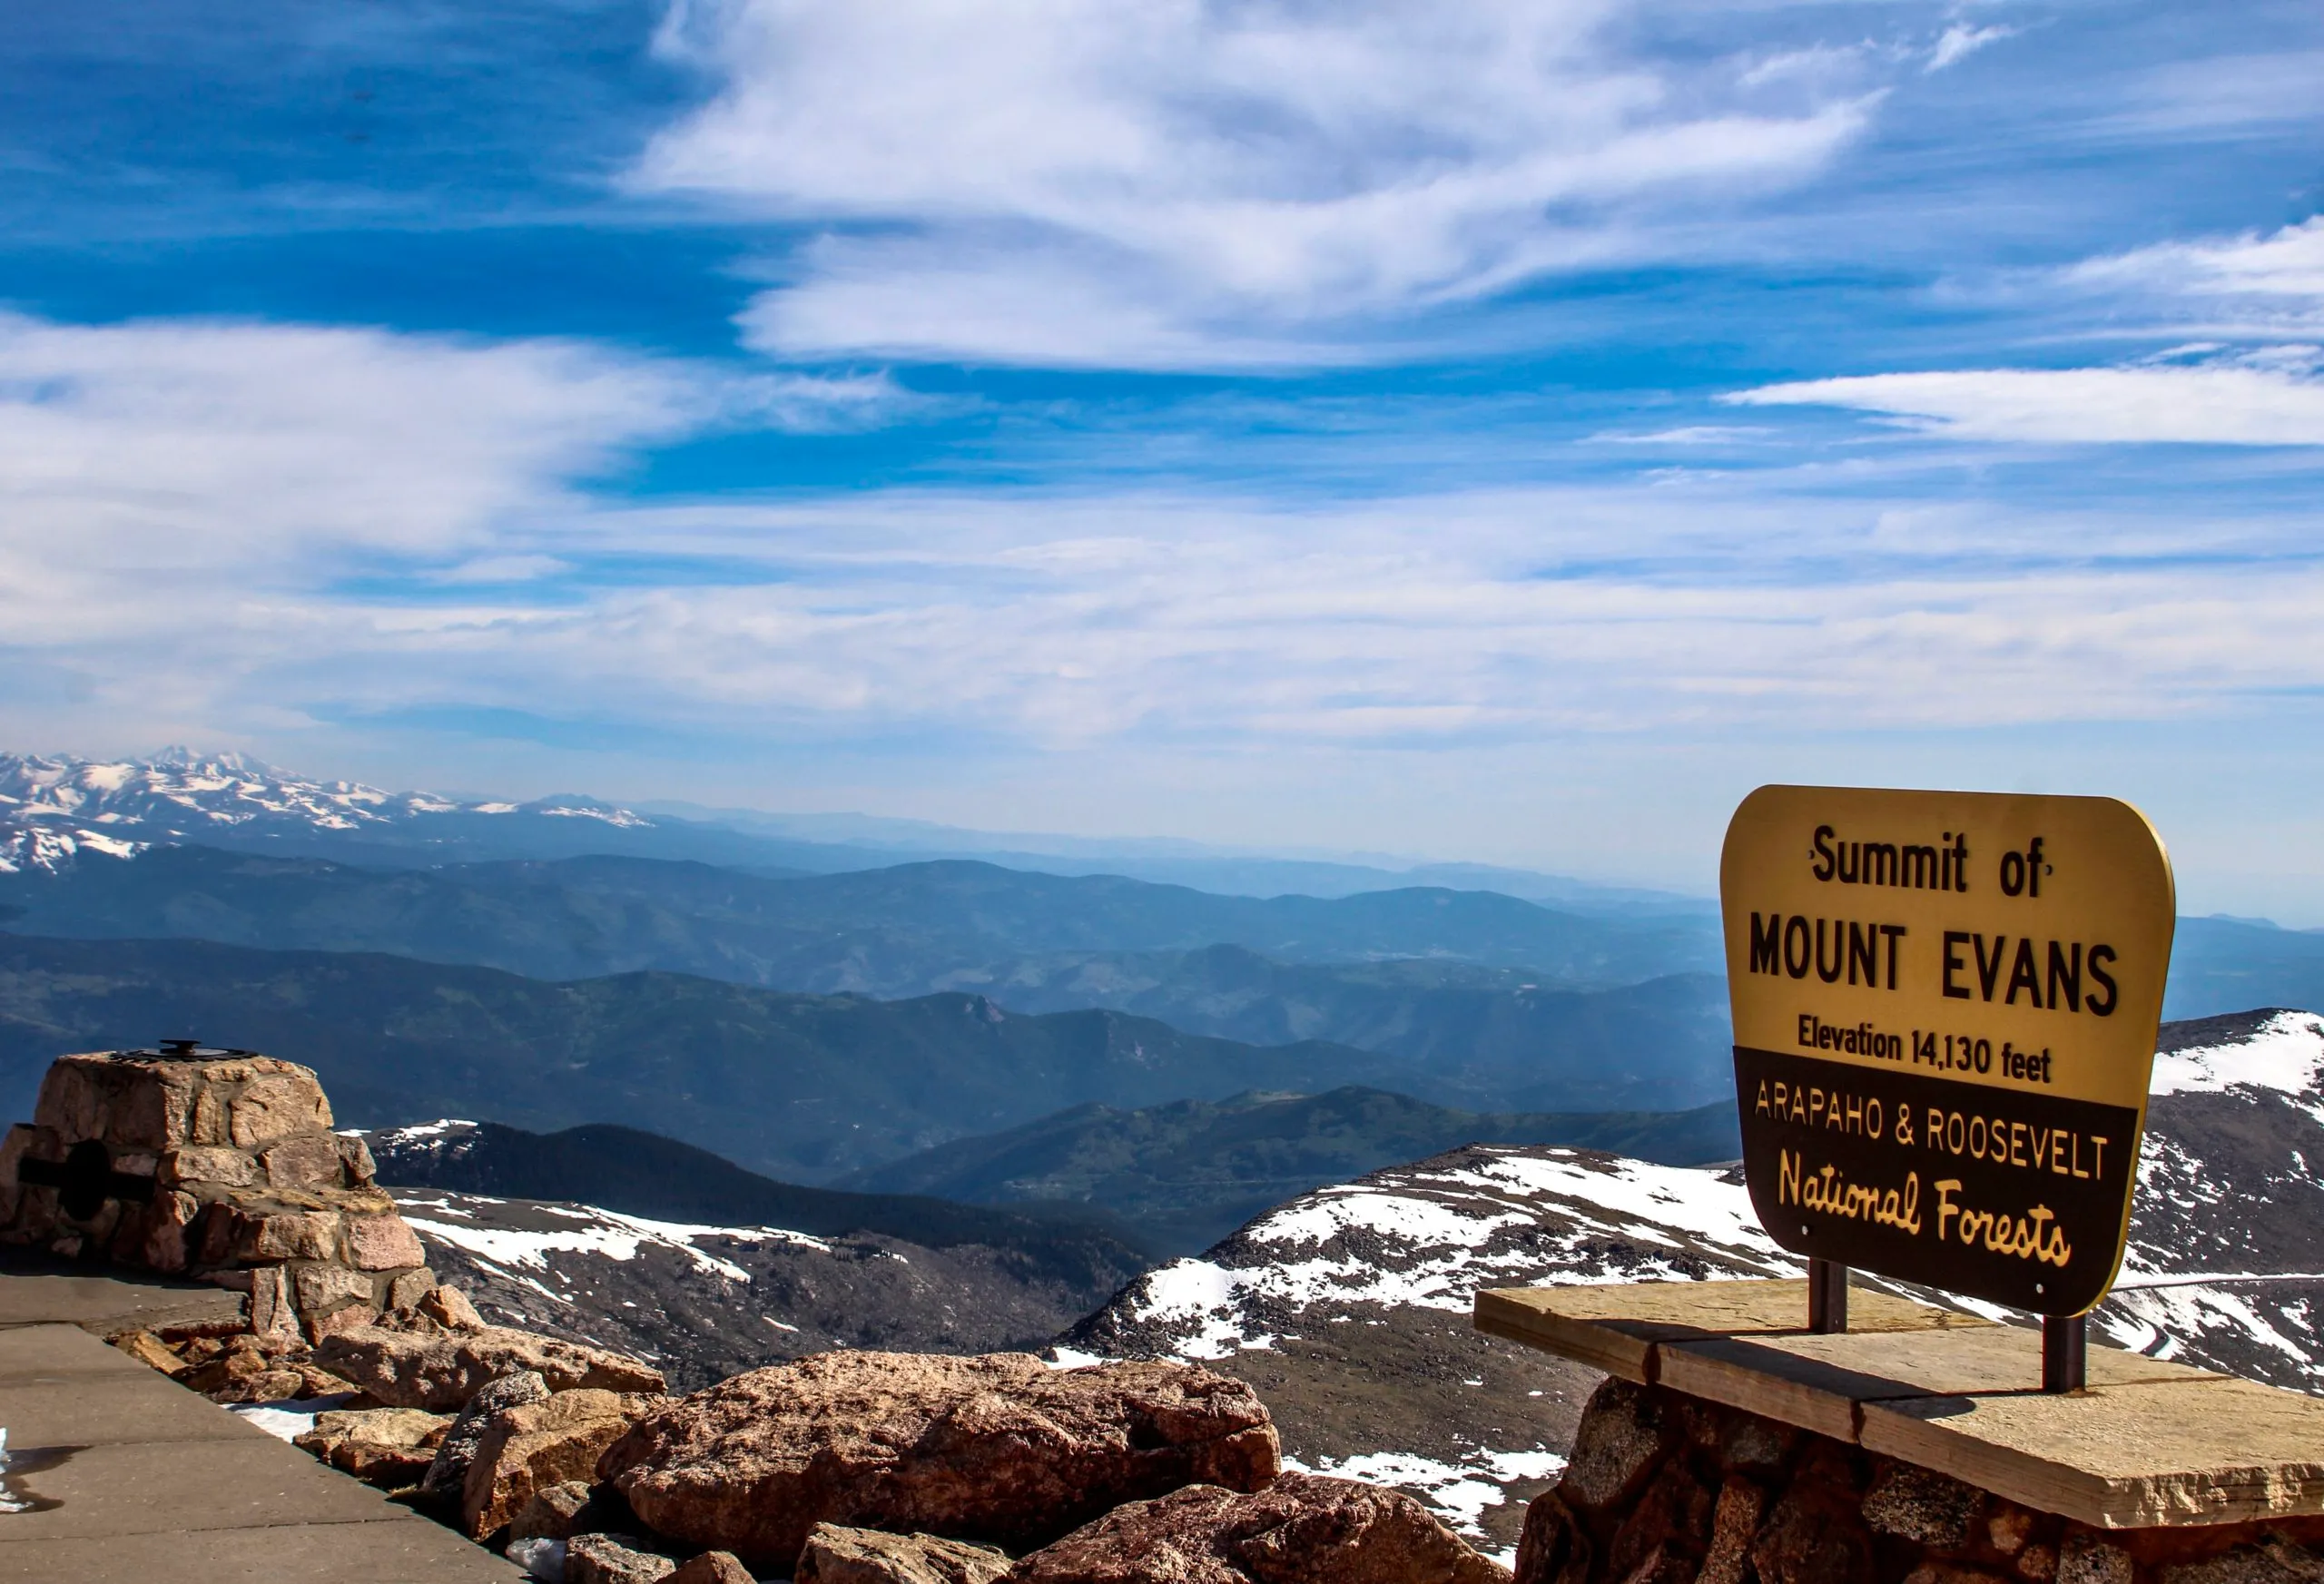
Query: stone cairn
(221, 1164)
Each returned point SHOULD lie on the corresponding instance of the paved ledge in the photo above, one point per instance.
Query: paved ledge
(135, 1478)
(41, 1293)
(2149, 1444)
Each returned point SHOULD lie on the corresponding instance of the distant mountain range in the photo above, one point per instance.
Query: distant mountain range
(1504, 1038)
(802, 1087)
(53, 807)
(483, 882)
(1187, 1174)
(894, 926)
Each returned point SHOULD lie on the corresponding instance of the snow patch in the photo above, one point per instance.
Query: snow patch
(1640, 1200)
(417, 1131)
(2285, 1053)
(291, 1418)
(1460, 1494)
(606, 1233)
(1407, 1237)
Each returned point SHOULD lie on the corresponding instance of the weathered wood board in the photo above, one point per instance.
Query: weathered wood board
(1822, 1382)
(1615, 1327)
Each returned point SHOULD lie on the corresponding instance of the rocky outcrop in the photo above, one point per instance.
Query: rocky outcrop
(838, 1555)
(607, 1558)
(713, 1568)
(388, 1447)
(440, 1369)
(553, 1513)
(1667, 1488)
(1304, 1530)
(530, 1448)
(217, 1164)
(998, 1448)
(448, 1475)
(239, 1366)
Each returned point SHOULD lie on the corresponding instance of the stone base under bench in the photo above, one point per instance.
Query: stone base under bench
(1734, 1443)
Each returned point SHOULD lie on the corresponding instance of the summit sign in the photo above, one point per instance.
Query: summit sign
(1944, 1010)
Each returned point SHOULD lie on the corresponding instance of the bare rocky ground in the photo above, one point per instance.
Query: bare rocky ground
(1420, 1401)
(706, 1303)
(1406, 1396)
(1348, 1310)
(1348, 1307)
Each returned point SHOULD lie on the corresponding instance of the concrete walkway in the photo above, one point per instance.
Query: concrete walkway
(134, 1479)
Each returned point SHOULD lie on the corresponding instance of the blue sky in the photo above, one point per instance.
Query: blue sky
(1504, 432)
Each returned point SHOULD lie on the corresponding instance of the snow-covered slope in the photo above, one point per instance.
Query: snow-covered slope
(1429, 1235)
(1336, 1298)
(52, 809)
(707, 1302)
(2273, 1049)
(1348, 1308)
(2225, 1265)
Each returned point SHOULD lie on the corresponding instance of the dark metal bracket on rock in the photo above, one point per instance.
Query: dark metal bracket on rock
(86, 1180)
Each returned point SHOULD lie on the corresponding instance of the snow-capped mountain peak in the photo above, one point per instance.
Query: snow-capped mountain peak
(55, 809)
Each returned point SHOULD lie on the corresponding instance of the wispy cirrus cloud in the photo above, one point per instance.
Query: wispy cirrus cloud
(2283, 269)
(1160, 183)
(157, 463)
(2249, 386)
(284, 535)
(2216, 405)
(1961, 40)
(352, 524)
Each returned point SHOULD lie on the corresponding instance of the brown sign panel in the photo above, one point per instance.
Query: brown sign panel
(1945, 1019)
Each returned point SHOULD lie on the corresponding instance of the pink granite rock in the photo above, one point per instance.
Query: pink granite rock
(839, 1555)
(531, 1448)
(1302, 1530)
(998, 1448)
(442, 1370)
(383, 1242)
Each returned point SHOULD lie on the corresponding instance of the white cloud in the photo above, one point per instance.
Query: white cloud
(1961, 41)
(1687, 435)
(504, 569)
(222, 531)
(157, 474)
(1108, 622)
(1163, 182)
(1055, 623)
(2286, 264)
(2218, 405)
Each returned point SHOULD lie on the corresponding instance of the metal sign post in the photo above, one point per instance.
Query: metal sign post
(2065, 1353)
(1944, 1009)
(1827, 1297)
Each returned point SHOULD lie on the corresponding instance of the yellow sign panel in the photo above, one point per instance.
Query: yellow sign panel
(1944, 1010)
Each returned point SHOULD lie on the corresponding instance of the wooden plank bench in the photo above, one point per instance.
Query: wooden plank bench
(2148, 1445)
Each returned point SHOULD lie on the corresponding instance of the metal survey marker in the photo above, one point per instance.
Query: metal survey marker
(1944, 1010)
